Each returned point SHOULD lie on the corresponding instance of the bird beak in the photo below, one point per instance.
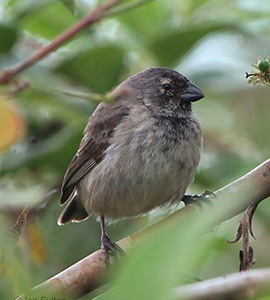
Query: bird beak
(192, 93)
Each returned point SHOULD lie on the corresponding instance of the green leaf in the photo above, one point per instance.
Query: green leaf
(171, 45)
(147, 19)
(50, 21)
(153, 267)
(99, 68)
(70, 5)
(8, 38)
(20, 10)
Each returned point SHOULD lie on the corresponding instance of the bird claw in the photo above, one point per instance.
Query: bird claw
(110, 248)
(203, 198)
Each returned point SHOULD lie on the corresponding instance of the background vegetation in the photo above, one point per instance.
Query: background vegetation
(212, 42)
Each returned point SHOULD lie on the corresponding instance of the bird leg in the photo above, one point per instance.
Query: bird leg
(108, 246)
(203, 197)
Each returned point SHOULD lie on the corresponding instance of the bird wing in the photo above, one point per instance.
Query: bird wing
(96, 138)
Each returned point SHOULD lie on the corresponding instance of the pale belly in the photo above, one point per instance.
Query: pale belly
(127, 184)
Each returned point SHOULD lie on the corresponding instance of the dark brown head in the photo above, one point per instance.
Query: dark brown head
(164, 88)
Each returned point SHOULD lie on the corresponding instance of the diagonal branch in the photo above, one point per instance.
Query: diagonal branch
(87, 274)
(103, 11)
(95, 16)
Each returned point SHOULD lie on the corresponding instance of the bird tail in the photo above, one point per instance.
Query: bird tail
(73, 212)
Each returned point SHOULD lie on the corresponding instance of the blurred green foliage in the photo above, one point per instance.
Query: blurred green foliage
(213, 43)
(8, 37)
(87, 67)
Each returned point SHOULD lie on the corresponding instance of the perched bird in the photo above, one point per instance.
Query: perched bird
(139, 152)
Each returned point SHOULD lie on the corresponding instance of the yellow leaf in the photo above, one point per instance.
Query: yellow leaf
(12, 124)
(36, 242)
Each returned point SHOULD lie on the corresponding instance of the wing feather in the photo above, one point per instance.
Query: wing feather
(96, 139)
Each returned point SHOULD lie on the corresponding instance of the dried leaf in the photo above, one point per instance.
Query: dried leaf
(70, 5)
(250, 212)
(16, 230)
(37, 244)
(12, 124)
(238, 235)
(251, 259)
(241, 258)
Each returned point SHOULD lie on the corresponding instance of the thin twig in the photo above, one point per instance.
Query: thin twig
(87, 274)
(95, 16)
(78, 95)
(107, 97)
(85, 96)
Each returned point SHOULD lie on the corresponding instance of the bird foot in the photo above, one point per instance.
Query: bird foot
(198, 199)
(110, 248)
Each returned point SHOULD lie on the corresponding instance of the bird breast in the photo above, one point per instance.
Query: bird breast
(150, 162)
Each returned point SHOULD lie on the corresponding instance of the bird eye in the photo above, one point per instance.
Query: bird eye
(166, 86)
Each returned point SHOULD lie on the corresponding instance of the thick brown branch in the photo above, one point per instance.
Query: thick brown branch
(87, 274)
(235, 286)
(95, 16)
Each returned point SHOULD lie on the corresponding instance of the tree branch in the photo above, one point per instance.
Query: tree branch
(87, 274)
(95, 16)
(235, 286)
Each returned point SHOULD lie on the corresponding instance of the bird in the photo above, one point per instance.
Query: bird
(138, 152)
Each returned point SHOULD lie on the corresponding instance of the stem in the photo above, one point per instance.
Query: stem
(95, 16)
(86, 96)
